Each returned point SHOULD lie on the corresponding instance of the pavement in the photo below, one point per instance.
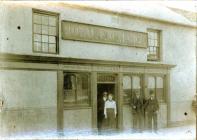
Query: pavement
(174, 133)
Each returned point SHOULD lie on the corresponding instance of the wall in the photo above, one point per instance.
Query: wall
(128, 117)
(72, 121)
(183, 78)
(178, 46)
(30, 101)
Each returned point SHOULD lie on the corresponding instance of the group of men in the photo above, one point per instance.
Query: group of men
(144, 112)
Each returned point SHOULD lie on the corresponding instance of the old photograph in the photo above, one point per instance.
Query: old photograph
(98, 70)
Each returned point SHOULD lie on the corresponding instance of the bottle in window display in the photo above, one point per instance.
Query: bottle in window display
(151, 109)
(110, 112)
(137, 111)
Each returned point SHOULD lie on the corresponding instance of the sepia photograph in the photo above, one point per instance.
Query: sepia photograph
(123, 70)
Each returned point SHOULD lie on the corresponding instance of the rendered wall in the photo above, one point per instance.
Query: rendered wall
(78, 119)
(128, 117)
(30, 101)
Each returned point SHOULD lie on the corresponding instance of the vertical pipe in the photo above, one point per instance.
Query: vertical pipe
(120, 101)
(196, 69)
(94, 100)
(60, 102)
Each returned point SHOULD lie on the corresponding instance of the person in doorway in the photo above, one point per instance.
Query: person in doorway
(101, 104)
(137, 111)
(151, 108)
(110, 113)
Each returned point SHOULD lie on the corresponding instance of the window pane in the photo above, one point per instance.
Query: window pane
(52, 31)
(160, 90)
(126, 89)
(37, 18)
(37, 46)
(45, 38)
(45, 47)
(37, 28)
(52, 39)
(156, 36)
(151, 35)
(152, 49)
(45, 29)
(69, 88)
(126, 82)
(151, 43)
(136, 82)
(136, 85)
(52, 21)
(45, 20)
(52, 48)
(37, 37)
(155, 42)
(82, 88)
(151, 86)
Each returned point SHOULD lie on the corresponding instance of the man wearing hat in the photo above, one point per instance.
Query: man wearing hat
(151, 108)
(137, 110)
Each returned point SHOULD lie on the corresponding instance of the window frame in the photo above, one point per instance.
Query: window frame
(49, 13)
(163, 76)
(141, 85)
(75, 104)
(159, 42)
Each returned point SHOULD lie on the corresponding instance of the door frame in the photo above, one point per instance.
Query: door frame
(118, 96)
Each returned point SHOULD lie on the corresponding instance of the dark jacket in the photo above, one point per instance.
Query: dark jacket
(101, 104)
(151, 106)
(137, 105)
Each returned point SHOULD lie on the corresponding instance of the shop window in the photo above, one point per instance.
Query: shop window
(45, 32)
(127, 89)
(131, 84)
(151, 86)
(153, 45)
(77, 89)
(156, 84)
(160, 89)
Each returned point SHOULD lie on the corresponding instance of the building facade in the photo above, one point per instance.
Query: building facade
(57, 59)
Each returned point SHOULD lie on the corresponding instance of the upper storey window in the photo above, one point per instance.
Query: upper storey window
(45, 32)
(153, 45)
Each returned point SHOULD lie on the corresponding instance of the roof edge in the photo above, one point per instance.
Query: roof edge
(86, 7)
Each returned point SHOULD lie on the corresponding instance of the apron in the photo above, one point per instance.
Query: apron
(111, 120)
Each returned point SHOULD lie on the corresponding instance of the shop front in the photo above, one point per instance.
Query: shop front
(81, 84)
(89, 82)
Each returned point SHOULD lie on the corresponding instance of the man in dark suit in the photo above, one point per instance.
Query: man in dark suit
(100, 112)
(151, 108)
(137, 111)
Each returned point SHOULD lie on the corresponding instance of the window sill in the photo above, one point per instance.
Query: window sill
(155, 60)
(75, 107)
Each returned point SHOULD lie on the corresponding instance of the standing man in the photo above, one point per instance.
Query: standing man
(137, 110)
(101, 116)
(151, 108)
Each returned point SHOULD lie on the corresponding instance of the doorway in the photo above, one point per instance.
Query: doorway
(101, 88)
